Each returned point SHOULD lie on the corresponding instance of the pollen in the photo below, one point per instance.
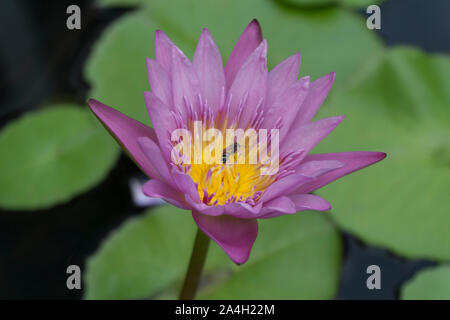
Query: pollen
(228, 176)
(220, 184)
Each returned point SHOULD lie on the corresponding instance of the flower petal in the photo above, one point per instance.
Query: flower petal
(159, 82)
(285, 107)
(352, 161)
(284, 185)
(209, 68)
(163, 50)
(317, 168)
(205, 209)
(161, 115)
(318, 91)
(307, 136)
(186, 185)
(126, 131)
(243, 210)
(281, 204)
(248, 90)
(309, 202)
(158, 189)
(247, 43)
(235, 236)
(282, 76)
(185, 84)
(300, 202)
(153, 154)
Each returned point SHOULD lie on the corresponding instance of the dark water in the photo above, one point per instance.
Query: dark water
(41, 62)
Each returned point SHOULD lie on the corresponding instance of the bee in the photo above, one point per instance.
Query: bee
(230, 151)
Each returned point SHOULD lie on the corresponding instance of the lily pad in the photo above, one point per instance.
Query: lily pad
(429, 284)
(294, 257)
(51, 155)
(321, 3)
(301, 3)
(116, 68)
(361, 3)
(330, 39)
(399, 105)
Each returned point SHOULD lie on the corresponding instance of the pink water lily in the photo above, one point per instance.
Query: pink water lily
(226, 204)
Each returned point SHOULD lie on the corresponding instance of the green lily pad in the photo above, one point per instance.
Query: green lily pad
(321, 3)
(309, 3)
(399, 105)
(294, 257)
(117, 69)
(330, 39)
(305, 3)
(360, 3)
(51, 155)
(430, 284)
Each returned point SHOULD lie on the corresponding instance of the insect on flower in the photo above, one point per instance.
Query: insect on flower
(229, 151)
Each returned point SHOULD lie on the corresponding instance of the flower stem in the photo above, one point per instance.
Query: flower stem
(194, 271)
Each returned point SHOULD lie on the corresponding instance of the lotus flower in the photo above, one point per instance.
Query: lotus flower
(227, 203)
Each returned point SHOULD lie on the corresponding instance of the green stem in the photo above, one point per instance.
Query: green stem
(195, 268)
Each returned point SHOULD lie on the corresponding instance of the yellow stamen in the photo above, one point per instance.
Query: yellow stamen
(232, 181)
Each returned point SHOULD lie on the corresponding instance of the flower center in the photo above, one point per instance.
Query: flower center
(220, 184)
(231, 173)
(231, 165)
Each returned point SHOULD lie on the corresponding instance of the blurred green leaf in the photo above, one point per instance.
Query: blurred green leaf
(430, 284)
(319, 3)
(360, 3)
(143, 257)
(329, 39)
(294, 257)
(51, 155)
(400, 105)
(117, 70)
(309, 3)
(305, 3)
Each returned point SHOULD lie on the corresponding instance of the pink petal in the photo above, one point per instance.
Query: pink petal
(158, 189)
(243, 210)
(235, 236)
(309, 135)
(318, 91)
(309, 202)
(282, 76)
(317, 168)
(163, 50)
(208, 66)
(249, 86)
(300, 202)
(126, 131)
(185, 84)
(247, 43)
(205, 209)
(284, 186)
(352, 161)
(153, 154)
(281, 204)
(186, 185)
(159, 82)
(286, 106)
(161, 115)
